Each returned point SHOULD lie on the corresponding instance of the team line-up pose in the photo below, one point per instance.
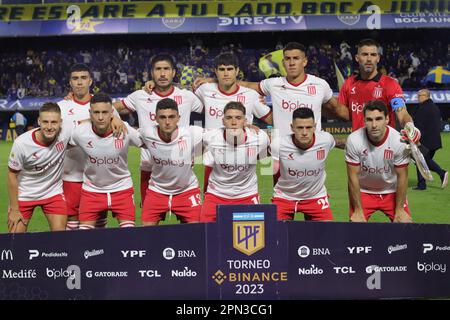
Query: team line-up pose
(74, 165)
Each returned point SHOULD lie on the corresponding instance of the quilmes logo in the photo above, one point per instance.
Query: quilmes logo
(248, 232)
(6, 255)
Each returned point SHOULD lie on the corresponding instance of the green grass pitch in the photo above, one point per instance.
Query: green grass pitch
(430, 206)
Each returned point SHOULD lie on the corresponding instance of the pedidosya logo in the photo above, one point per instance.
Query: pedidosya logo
(248, 232)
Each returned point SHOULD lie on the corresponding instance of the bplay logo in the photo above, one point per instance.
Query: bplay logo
(431, 267)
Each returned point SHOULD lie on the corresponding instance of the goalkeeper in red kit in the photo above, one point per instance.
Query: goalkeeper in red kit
(369, 85)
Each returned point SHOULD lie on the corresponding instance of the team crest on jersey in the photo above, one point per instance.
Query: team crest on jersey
(182, 144)
(377, 92)
(118, 143)
(178, 99)
(388, 154)
(311, 89)
(240, 98)
(59, 146)
(320, 154)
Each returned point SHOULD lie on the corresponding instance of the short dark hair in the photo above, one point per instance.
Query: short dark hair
(375, 105)
(368, 42)
(79, 67)
(101, 97)
(302, 113)
(167, 103)
(50, 107)
(226, 59)
(294, 46)
(162, 57)
(233, 105)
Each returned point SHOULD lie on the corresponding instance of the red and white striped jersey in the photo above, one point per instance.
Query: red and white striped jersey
(106, 164)
(40, 166)
(287, 96)
(215, 100)
(72, 112)
(302, 172)
(378, 161)
(233, 172)
(171, 162)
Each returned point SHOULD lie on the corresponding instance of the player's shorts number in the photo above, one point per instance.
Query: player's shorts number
(323, 202)
(195, 200)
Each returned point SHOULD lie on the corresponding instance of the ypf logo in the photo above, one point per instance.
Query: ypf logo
(248, 232)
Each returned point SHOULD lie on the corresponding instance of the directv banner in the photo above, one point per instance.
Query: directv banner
(224, 24)
(28, 104)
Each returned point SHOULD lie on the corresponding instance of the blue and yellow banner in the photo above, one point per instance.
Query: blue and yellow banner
(209, 9)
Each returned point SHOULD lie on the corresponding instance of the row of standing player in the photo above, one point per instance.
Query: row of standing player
(297, 89)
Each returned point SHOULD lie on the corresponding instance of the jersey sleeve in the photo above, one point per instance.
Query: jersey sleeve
(200, 92)
(401, 156)
(275, 149)
(260, 110)
(343, 93)
(196, 104)
(130, 101)
(263, 145)
(264, 86)
(134, 136)
(327, 92)
(351, 155)
(16, 157)
(394, 90)
(332, 142)
(197, 135)
(146, 160)
(208, 159)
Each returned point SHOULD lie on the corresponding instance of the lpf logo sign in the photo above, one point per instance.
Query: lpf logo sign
(248, 232)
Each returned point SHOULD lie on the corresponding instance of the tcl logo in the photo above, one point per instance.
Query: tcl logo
(133, 253)
(344, 270)
(215, 112)
(356, 107)
(149, 274)
(358, 250)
